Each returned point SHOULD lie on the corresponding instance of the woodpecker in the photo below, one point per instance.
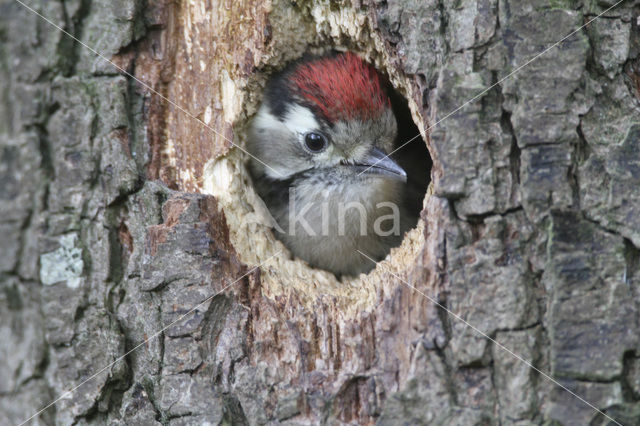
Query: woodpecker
(319, 145)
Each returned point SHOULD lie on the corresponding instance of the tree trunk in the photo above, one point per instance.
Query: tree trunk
(133, 240)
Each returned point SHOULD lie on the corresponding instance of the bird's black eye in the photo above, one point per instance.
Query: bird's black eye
(315, 142)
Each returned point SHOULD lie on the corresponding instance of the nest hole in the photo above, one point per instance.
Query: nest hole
(228, 178)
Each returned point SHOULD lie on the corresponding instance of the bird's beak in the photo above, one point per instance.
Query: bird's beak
(376, 162)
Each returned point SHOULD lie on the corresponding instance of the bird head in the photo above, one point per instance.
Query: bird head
(328, 116)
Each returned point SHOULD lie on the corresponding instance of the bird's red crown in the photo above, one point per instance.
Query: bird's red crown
(341, 87)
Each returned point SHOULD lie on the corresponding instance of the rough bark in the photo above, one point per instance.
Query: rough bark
(110, 231)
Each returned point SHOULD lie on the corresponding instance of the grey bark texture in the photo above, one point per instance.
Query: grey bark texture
(536, 209)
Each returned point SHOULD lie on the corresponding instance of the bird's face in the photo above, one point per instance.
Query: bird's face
(326, 117)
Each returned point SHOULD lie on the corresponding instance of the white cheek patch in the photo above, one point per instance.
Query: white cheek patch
(265, 120)
(300, 120)
(297, 121)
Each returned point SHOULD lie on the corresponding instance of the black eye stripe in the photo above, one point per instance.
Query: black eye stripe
(315, 142)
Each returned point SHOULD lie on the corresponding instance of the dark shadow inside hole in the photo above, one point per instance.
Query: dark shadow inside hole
(414, 157)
